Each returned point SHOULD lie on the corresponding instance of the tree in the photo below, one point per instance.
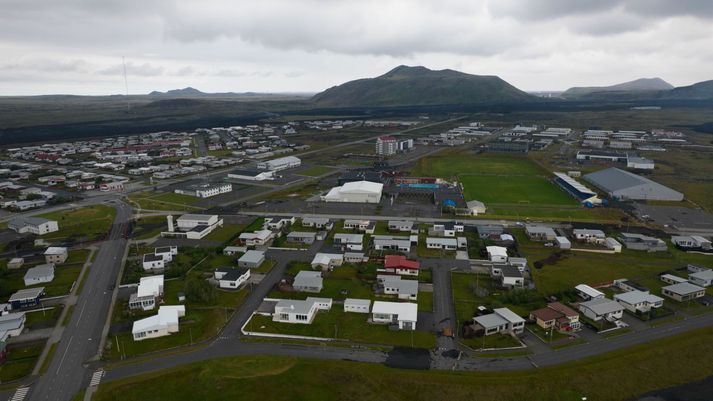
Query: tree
(200, 291)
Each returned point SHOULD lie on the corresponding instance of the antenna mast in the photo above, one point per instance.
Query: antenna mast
(126, 86)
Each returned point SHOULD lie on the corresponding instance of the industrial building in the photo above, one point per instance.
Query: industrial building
(576, 189)
(355, 192)
(389, 145)
(32, 225)
(205, 190)
(623, 185)
(280, 164)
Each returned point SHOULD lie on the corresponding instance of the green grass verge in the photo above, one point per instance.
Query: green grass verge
(91, 222)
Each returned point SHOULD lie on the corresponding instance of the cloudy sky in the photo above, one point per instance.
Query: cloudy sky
(76, 46)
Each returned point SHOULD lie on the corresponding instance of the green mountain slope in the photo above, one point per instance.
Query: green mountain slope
(639, 85)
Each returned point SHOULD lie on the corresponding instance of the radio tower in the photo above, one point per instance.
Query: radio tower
(126, 86)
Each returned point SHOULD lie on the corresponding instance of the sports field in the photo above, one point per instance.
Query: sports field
(450, 164)
(513, 189)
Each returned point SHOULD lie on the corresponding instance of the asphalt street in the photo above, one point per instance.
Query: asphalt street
(67, 373)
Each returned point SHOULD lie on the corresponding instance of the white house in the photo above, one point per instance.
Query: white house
(405, 315)
(692, 242)
(232, 250)
(150, 289)
(497, 253)
(502, 320)
(402, 226)
(587, 293)
(589, 236)
(447, 229)
(703, 278)
(540, 233)
(298, 311)
(391, 243)
(276, 223)
(395, 285)
(360, 225)
(450, 244)
(154, 263)
(166, 252)
(355, 257)
(164, 323)
(602, 308)
(230, 278)
(357, 305)
(355, 192)
(308, 281)
(32, 225)
(11, 325)
(39, 274)
(683, 291)
(257, 238)
(318, 222)
(192, 226)
(352, 242)
(56, 254)
(639, 301)
(327, 261)
(251, 259)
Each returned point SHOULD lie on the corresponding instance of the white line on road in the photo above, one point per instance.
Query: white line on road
(20, 394)
(80, 314)
(64, 354)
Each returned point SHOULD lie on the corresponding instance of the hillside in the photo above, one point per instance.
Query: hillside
(698, 91)
(636, 86)
(411, 86)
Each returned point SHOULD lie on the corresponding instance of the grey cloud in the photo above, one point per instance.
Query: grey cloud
(144, 70)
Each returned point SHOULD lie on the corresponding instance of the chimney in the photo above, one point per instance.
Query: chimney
(169, 218)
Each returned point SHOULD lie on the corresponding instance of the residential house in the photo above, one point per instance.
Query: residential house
(252, 259)
(166, 252)
(327, 261)
(56, 254)
(26, 298)
(403, 226)
(639, 301)
(403, 315)
(540, 233)
(642, 242)
(702, 278)
(395, 285)
(391, 243)
(449, 244)
(148, 292)
(671, 279)
(589, 236)
(277, 223)
(308, 281)
(302, 237)
(154, 263)
(602, 308)
(489, 231)
(355, 257)
(164, 323)
(509, 276)
(11, 325)
(232, 250)
(257, 238)
(497, 253)
(447, 229)
(588, 293)
(502, 320)
(692, 243)
(32, 225)
(298, 311)
(399, 264)
(352, 242)
(365, 226)
(231, 278)
(357, 305)
(557, 316)
(15, 263)
(683, 291)
(39, 274)
(318, 222)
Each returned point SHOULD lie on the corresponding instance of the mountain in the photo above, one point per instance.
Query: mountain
(639, 85)
(185, 92)
(413, 86)
(193, 93)
(698, 91)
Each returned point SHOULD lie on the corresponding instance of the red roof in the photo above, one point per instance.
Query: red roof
(387, 138)
(400, 262)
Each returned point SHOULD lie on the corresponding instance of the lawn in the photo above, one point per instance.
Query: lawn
(90, 222)
(65, 275)
(225, 233)
(21, 359)
(635, 370)
(425, 301)
(316, 171)
(148, 227)
(495, 341)
(498, 189)
(347, 326)
(449, 164)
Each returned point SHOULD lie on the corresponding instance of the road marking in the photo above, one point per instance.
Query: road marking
(96, 378)
(64, 354)
(20, 394)
(80, 314)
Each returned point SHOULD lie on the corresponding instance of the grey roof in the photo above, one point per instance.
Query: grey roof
(247, 172)
(636, 297)
(298, 306)
(233, 274)
(252, 257)
(27, 293)
(40, 271)
(355, 301)
(588, 231)
(602, 306)
(703, 274)
(301, 234)
(490, 320)
(536, 229)
(11, 321)
(27, 221)
(510, 271)
(403, 286)
(349, 238)
(308, 279)
(629, 185)
(683, 288)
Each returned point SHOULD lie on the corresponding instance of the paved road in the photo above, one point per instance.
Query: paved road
(67, 374)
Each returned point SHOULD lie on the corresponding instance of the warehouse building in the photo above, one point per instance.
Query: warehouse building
(620, 184)
(251, 175)
(205, 190)
(280, 164)
(576, 189)
(355, 192)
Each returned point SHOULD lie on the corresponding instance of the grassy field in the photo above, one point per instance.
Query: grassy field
(90, 222)
(513, 189)
(148, 227)
(225, 233)
(636, 370)
(150, 200)
(345, 326)
(316, 171)
(21, 359)
(449, 164)
(64, 276)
